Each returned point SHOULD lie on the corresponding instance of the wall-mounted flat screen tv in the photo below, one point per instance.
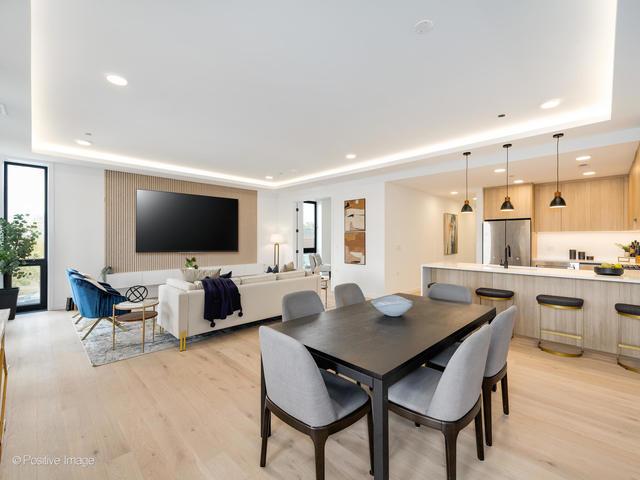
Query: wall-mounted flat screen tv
(180, 222)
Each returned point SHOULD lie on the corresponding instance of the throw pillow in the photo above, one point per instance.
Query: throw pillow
(226, 275)
(288, 267)
(271, 269)
(193, 274)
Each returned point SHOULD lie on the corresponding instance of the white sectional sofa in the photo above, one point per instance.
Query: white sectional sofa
(181, 307)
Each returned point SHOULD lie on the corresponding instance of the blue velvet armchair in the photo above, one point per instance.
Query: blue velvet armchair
(92, 301)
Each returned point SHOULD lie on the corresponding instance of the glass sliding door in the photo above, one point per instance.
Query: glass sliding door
(25, 192)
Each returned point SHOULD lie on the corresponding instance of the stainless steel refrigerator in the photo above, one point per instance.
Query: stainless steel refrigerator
(510, 238)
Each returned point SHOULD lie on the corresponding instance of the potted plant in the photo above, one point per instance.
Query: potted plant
(18, 239)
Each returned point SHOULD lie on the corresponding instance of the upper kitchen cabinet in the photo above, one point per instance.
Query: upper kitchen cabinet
(546, 219)
(521, 198)
(599, 204)
(634, 194)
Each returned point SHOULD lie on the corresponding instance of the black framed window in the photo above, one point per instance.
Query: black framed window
(25, 192)
(310, 227)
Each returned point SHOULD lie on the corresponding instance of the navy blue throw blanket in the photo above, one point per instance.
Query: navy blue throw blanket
(221, 298)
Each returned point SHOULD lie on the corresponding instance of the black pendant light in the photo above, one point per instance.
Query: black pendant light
(466, 208)
(558, 201)
(507, 206)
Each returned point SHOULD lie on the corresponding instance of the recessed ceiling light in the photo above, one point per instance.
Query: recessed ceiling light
(475, 198)
(117, 80)
(424, 26)
(583, 158)
(553, 103)
(350, 156)
(84, 143)
(500, 170)
(453, 193)
(588, 174)
(518, 181)
(268, 177)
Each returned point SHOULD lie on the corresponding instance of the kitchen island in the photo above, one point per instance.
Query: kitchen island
(600, 294)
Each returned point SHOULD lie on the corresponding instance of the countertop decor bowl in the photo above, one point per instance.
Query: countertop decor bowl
(392, 305)
(609, 271)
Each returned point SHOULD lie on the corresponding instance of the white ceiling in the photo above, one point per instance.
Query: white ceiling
(289, 87)
(605, 161)
(235, 91)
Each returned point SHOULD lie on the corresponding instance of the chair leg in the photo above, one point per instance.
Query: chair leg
(264, 433)
(319, 440)
(92, 327)
(505, 394)
(479, 439)
(370, 432)
(450, 441)
(486, 407)
(494, 388)
(80, 317)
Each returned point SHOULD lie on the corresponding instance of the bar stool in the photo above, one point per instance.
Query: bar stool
(561, 303)
(494, 294)
(631, 311)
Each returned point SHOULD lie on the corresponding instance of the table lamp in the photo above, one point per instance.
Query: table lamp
(276, 239)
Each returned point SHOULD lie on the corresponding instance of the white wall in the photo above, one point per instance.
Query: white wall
(324, 221)
(602, 245)
(267, 203)
(76, 226)
(370, 277)
(415, 235)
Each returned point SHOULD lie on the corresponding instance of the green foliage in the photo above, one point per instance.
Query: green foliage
(626, 248)
(190, 263)
(18, 238)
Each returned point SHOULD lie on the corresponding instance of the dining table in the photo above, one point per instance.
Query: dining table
(359, 342)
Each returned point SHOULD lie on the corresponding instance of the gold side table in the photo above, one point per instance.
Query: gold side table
(138, 312)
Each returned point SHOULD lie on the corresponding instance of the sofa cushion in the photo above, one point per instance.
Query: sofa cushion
(286, 275)
(288, 267)
(180, 284)
(266, 277)
(193, 274)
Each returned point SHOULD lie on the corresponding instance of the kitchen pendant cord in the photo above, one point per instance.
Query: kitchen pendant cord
(557, 164)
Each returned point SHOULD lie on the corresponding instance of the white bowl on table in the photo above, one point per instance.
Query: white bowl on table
(392, 305)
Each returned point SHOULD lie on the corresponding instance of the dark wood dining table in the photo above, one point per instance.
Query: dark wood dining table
(360, 343)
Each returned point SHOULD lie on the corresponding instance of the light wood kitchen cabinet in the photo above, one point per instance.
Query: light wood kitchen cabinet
(575, 216)
(521, 198)
(606, 208)
(546, 219)
(598, 204)
(634, 194)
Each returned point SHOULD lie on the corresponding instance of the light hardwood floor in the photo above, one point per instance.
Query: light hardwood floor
(194, 415)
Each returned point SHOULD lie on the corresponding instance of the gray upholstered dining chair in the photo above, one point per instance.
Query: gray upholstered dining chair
(449, 293)
(301, 304)
(312, 401)
(496, 368)
(348, 294)
(449, 400)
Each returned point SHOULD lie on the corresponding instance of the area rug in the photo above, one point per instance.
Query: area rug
(99, 347)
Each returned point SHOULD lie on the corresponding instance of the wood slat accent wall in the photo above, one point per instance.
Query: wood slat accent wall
(120, 202)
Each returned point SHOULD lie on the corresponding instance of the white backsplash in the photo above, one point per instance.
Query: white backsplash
(602, 245)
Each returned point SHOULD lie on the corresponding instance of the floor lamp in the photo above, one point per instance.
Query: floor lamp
(276, 239)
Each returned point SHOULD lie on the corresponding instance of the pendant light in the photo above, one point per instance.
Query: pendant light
(507, 206)
(466, 208)
(558, 201)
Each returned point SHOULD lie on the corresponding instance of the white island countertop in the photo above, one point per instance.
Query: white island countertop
(630, 276)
